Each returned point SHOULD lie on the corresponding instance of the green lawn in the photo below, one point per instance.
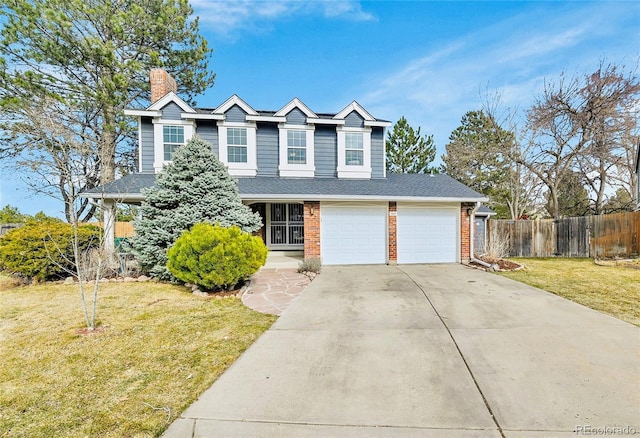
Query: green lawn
(159, 349)
(614, 290)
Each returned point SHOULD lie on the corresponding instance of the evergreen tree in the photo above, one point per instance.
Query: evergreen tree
(407, 151)
(573, 198)
(79, 64)
(620, 202)
(194, 188)
(477, 156)
(11, 215)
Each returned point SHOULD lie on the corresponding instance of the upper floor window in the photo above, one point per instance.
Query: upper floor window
(173, 138)
(296, 147)
(237, 145)
(296, 150)
(354, 149)
(354, 152)
(168, 136)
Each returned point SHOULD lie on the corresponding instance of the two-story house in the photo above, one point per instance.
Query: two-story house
(318, 180)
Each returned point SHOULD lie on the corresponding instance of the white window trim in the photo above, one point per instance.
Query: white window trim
(158, 139)
(296, 170)
(140, 145)
(352, 171)
(250, 168)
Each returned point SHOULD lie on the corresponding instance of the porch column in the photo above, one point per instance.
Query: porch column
(465, 232)
(393, 239)
(311, 229)
(109, 221)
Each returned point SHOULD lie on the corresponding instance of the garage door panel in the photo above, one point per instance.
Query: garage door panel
(427, 235)
(353, 234)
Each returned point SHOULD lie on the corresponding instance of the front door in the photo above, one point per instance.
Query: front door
(286, 226)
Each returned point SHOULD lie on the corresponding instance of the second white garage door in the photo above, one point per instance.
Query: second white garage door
(427, 234)
(353, 234)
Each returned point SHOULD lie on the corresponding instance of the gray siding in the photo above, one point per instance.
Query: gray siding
(377, 153)
(208, 130)
(267, 136)
(326, 150)
(171, 111)
(354, 120)
(296, 117)
(146, 145)
(236, 114)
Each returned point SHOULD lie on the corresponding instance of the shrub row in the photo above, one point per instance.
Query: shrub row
(43, 248)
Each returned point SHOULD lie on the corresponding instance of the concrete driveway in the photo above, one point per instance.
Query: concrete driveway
(437, 351)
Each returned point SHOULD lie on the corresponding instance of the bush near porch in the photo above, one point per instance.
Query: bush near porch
(614, 290)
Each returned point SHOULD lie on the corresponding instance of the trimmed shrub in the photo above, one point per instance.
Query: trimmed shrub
(43, 249)
(311, 264)
(215, 257)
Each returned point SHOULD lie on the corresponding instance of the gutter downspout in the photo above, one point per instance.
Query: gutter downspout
(472, 220)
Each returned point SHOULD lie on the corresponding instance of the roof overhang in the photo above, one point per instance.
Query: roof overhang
(319, 121)
(259, 118)
(139, 197)
(379, 123)
(202, 116)
(335, 198)
(142, 113)
(116, 197)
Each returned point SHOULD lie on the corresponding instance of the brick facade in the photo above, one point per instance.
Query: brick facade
(465, 232)
(161, 84)
(393, 240)
(311, 229)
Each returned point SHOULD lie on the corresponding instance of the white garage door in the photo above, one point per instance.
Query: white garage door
(427, 234)
(353, 234)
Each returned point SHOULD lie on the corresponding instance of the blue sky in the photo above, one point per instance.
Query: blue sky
(427, 61)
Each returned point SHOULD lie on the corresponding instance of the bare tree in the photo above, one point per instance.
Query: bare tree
(577, 125)
(624, 176)
(609, 114)
(58, 152)
(521, 187)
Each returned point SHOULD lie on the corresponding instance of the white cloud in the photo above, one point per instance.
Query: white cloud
(513, 56)
(228, 18)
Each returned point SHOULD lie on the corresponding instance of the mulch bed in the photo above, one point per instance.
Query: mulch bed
(500, 265)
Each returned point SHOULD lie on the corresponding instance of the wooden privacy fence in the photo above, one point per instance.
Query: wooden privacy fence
(5, 228)
(589, 236)
(122, 229)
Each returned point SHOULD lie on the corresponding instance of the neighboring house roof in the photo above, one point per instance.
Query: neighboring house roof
(483, 210)
(408, 187)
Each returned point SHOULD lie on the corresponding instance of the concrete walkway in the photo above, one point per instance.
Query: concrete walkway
(437, 351)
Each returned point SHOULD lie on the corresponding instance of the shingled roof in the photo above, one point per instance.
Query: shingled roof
(417, 187)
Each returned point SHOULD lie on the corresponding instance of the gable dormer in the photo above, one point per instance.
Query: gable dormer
(296, 143)
(162, 129)
(354, 142)
(237, 137)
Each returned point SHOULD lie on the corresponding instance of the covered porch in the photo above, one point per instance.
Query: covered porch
(283, 226)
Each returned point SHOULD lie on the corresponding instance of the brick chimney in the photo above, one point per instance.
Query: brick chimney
(161, 84)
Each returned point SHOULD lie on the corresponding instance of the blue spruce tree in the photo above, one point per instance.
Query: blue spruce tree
(194, 188)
